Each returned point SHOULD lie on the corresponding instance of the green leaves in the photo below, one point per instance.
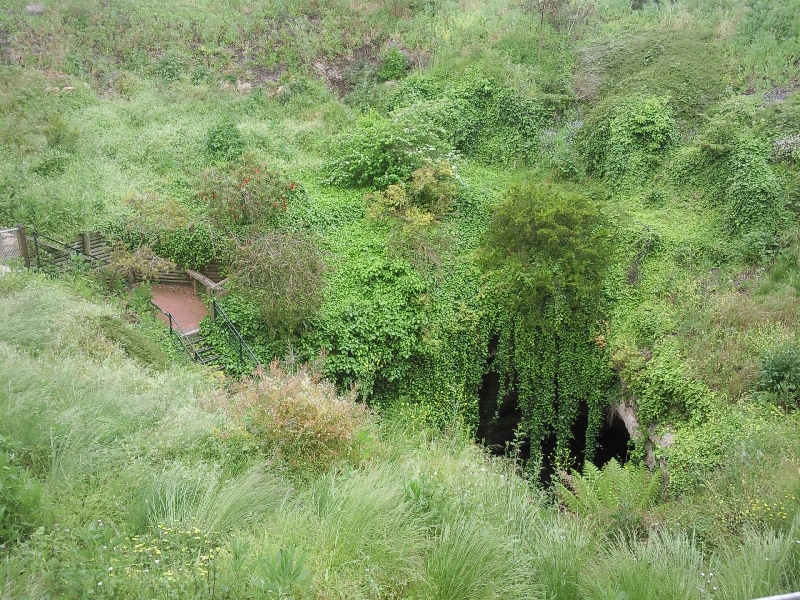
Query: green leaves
(20, 498)
(625, 138)
(224, 140)
(545, 242)
(373, 316)
(544, 257)
(381, 152)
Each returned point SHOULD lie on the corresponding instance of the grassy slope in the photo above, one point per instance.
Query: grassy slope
(143, 497)
(138, 130)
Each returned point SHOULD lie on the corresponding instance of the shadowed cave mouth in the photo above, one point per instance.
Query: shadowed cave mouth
(499, 418)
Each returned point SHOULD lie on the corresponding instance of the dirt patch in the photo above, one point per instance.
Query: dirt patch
(778, 94)
(340, 73)
(186, 307)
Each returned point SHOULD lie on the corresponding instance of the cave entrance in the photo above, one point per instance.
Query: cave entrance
(613, 439)
(499, 417)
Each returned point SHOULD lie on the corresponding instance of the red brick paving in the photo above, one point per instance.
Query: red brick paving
(186, 307)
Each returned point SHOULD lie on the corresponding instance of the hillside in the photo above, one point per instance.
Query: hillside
(566, 230)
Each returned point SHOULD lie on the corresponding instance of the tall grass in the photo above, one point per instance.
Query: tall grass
(664, 566)
(179, 497)
(365, 529)
(470, 561)
(560, 548)
(765, 564)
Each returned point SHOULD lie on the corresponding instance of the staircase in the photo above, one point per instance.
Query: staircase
(202, 352)
(50, 254)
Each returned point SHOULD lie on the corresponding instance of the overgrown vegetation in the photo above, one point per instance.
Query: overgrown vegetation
(518, 220)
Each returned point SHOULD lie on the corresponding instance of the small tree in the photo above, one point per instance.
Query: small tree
(245, 195)
(151, 213)
(544, 257)
(549, 9)
(283, 273)
(545, 243)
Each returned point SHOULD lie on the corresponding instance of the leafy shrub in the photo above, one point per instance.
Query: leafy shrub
(60, 135)
(753, 190)
(52, 162)
(201, 75)
(170, 67)
(664, 391)
(730, 165)
(757, 247)
(546, 242)
(299, 419)
(283, 273)
(224, 140)
(372, 318)
(20, 498)
(414, 210)
(394, 64)
(246, 195)
(129, 266)
(626, 138)
(481, 117)
(382, 152)
(431, 189)
(166, 227)
(780, 373)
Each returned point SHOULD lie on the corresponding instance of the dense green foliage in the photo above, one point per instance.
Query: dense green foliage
(130, 484)
(545, 254)
(512, 220)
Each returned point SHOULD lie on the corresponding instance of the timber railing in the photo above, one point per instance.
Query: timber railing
(60, 253)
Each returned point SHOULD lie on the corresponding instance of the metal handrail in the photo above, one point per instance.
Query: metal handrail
(181, 336)
(792, 596)
(243, 347)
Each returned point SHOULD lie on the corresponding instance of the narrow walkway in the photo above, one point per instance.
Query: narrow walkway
(184, 305)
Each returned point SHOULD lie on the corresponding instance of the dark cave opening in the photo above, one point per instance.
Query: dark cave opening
(499, 419)
(613, 440)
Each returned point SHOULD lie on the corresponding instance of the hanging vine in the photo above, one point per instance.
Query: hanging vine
(544, 256)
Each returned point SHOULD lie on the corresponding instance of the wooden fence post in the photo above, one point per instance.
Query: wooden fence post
(22, 240)
(87, 244)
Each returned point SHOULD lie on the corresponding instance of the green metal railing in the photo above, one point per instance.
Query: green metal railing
(245, 352)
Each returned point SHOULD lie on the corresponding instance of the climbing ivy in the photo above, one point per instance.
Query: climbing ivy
(371, 322)
(731, 167)
(544, 257)
(625, 138)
